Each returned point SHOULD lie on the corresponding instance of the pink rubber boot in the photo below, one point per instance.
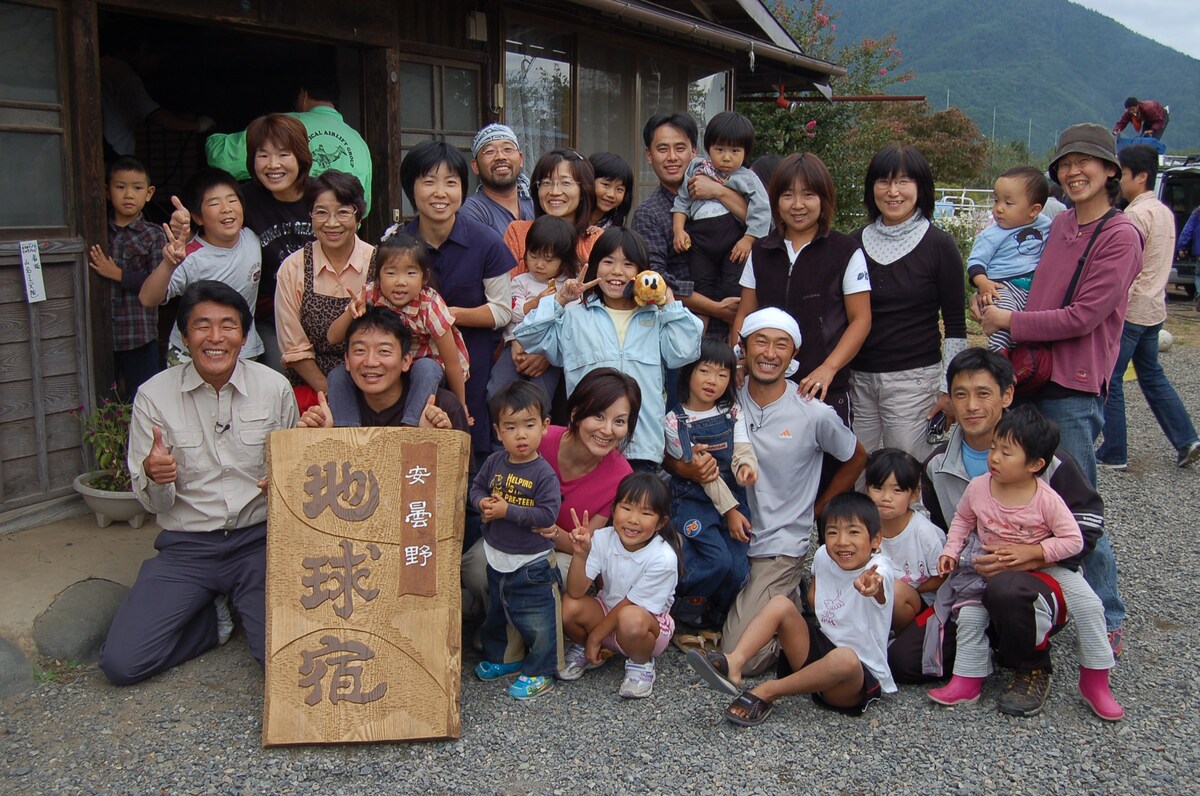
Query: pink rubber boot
(959, 691)
(1093, 687)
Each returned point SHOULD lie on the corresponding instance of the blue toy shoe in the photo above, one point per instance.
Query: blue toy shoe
(487, 670)
(530, 687)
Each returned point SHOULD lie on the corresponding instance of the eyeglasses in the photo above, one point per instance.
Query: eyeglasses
(508, 151)
(344, 215)
(1070, 164)
(557, 185)
(899, 182)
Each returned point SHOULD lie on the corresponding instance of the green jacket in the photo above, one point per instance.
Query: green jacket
(334, 145)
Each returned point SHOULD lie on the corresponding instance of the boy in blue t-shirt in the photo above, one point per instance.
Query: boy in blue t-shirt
(1004, 255)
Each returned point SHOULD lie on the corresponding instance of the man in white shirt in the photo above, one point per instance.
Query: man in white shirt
(197, 445)
(790, 435)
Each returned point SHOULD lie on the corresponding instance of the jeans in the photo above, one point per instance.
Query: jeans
(716, 565)
(529, 600)
(1079, 419)
(1140, 344)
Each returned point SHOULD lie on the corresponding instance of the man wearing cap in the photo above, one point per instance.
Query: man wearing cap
(1098, 251)
(503, 195)
(790, 435)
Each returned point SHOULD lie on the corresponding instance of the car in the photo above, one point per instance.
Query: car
(1179, 189)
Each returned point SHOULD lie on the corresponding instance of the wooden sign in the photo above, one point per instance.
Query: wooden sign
(364, 614)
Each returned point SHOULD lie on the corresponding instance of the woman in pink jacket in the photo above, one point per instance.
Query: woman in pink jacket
(1084, 332)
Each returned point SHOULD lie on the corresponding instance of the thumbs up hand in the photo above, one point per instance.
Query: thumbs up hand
(160, 464)
(318, 416)
(434, 416)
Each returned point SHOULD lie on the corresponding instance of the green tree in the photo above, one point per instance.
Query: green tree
(950, 140)
(844, 135)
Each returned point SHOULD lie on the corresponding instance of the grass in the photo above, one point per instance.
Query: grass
(53, 670)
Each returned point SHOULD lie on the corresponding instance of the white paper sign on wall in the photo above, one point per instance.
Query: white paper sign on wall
(31, 268)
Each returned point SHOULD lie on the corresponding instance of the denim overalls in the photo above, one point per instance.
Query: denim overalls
(716, 565)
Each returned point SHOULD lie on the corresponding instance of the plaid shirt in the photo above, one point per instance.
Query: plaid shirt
(428, 318)
(137, 249)
(652, 221)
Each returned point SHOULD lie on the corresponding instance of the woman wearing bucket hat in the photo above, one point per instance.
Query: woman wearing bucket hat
(1077, 303)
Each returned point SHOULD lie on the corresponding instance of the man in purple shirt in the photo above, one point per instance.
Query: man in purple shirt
(503, 195)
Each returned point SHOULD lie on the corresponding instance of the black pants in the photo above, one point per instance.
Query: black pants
(1010, 598)
(714, 274)
(168, 616)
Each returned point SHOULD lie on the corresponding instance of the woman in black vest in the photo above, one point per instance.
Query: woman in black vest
(898, 378)
(816, 274)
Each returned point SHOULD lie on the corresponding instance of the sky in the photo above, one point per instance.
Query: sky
(1174, 23)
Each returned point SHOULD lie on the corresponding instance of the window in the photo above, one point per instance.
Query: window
(31, 120)
(565, 87)
(607, 101)
(438, 102)
(668, 86)
(538, 90)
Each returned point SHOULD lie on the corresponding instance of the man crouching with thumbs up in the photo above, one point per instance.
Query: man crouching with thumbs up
(197, 445)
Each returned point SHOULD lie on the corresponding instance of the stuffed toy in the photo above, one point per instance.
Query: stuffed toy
(649, 288)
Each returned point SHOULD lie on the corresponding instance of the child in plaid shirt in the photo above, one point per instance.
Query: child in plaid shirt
(135, 248)
(400, 280)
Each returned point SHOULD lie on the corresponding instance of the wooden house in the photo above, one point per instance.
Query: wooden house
(584, 73)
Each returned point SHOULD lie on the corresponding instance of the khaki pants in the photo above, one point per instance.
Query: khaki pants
(768, 577)
(890, 409)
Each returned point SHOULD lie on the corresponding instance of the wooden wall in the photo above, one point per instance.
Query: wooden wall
(43, 375)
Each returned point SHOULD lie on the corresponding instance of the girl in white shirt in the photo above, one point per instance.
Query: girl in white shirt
(639, 558)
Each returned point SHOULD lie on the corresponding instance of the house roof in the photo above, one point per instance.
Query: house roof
(744, 27)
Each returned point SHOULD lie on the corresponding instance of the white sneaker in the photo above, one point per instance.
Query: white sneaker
(575, 663)
(224, 619)
(639, 680)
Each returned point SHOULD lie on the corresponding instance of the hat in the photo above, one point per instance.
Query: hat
(493, 132)
(1085, 139)
(773, 318)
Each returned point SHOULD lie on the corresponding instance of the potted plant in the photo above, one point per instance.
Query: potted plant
(107, 491)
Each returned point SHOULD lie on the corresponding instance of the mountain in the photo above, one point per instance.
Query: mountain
(1047, 62)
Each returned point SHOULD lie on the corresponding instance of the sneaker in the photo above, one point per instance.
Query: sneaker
(530, 687)
(1188, 455)
(224, 619)
(639, 680)
(1116, 640)
(488, 670)
(1026, 694)
(575, 663)
(1114, 466)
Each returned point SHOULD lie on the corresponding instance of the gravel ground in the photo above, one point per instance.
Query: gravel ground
(196, 730)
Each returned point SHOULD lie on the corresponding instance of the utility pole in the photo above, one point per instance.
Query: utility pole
(1029, 137)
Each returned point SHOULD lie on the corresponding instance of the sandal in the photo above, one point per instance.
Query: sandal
(713, 670)
(686, 642)
(748, 710)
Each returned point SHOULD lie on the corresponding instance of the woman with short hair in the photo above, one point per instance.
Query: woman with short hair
(316, 282)
(898, 378)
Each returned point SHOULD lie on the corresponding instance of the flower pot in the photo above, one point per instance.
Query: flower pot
(109, 507)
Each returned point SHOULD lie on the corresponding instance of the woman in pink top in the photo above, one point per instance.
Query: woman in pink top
(586, 455)
(1085, 332)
